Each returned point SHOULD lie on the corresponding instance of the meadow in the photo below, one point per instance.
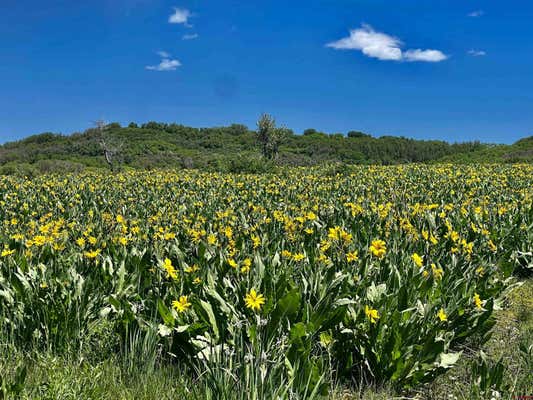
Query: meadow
(307, 283)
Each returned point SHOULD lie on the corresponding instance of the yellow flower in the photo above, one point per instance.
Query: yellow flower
(372, 314)
(324, 245)
(467, 246)
(442, 315)
(196, 235)
(169, 236)
(254, 300)
(232, 263)
(92, 253)
(80, 242)
(453, 235)
(334, 233)
(228, 232)
(256, 241)
(192, 269)
(323, 258)
(123, 241)
(7, 252)
(477, 301)
(211, 239)
(246, 264)
(337, 233)
(171, 271)
(346, 237)
(298, 257)
(492, 246)
(286, 254)
(352, 256)
(39, 240)
(437, 272)
(311, 216)
(419, 261)
(182, 304)
(378, 248)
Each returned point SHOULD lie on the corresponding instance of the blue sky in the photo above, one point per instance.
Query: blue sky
(453, 70)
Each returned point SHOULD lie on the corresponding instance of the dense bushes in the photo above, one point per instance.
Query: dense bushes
(235, 148)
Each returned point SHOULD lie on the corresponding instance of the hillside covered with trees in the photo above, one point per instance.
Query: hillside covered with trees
(234, 148)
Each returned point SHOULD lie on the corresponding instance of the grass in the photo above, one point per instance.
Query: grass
(49, 376)
(511, 343)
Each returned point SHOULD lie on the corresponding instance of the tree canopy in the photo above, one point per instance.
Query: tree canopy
(237, 148)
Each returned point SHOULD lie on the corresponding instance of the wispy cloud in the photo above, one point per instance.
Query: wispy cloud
(476, 14)
(180, 16)
(371, 43)
(191, 36)
(424, 55)
(477, 53)
(166, 64)
(383, 47)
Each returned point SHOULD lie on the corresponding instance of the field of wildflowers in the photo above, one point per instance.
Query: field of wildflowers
(273, 285)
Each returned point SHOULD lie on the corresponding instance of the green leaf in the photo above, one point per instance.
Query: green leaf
(211, 316)
(286, 308)
(447, 360)
(276, 260)
(344, 302)
(374, 293)
(163, 330)
(165, 313)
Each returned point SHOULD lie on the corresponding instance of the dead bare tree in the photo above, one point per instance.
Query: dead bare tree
(111, 148)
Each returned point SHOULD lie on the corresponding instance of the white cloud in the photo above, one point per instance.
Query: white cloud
(383, 47)
(475, 14)
(166, 64)
(424, 55)
(190, 36)
(371, 43)
(180, 16)
(477, 53)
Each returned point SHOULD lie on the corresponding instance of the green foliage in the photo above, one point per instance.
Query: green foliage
(11, 389)
(269, 136)
(236, 149)
(51, 377)
(487, 374)
(379, 275)
(357, 134)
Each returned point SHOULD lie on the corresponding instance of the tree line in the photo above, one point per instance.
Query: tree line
(234, 148)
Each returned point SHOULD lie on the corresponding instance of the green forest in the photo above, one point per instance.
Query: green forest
(234, 148)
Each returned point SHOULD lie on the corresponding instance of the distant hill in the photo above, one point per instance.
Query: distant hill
(234, 148)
